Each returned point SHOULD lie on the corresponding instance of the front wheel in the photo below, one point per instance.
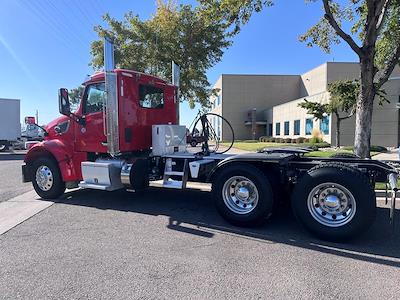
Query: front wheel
(243, 195)
(3, 147)
(47, 180)
(334, 201)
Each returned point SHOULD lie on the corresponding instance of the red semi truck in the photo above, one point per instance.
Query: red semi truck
(125, 133)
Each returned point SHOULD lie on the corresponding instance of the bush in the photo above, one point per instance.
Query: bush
(287, 140)
(322, 145)
(294, 141)
(300, 140)
(315, 140)
(373, 148)
(272, 140)
(262, 139)
(306, 140)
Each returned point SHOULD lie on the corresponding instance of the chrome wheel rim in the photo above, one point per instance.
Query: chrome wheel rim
(2, 147)
(44, 178)
(240, 195)
(331, 204)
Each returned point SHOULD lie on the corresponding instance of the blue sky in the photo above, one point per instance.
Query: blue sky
(44, 45)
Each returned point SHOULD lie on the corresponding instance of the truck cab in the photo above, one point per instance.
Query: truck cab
(140, 101)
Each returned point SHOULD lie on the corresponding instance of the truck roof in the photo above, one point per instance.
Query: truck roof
(99, 76)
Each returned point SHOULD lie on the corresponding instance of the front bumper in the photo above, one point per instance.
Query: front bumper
(26, 173)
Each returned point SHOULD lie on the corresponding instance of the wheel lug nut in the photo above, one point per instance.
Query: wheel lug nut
(316, 205)
(323, 213)
(334, 217)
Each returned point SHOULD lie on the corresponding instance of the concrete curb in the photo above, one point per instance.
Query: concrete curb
(19, 209)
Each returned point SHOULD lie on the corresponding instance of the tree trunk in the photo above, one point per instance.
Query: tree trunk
(365, 102)
(338, 131)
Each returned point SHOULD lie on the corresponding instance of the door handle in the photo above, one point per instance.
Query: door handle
(104, 144)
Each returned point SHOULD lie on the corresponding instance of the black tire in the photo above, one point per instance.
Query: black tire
(193, 143)
(58, 185)
(3, 147)
(362, 212)
(261, 211)
(344, 155)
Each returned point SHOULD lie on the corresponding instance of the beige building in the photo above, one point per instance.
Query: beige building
(274, 99)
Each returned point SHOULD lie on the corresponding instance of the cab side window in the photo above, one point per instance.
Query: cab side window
(151, 96)
(95, 98)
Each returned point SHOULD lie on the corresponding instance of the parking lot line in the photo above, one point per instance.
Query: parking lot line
(18, 209)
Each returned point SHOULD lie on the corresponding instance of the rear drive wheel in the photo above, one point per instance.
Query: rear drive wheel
(334, 201)
(46, 179)
(243, 195)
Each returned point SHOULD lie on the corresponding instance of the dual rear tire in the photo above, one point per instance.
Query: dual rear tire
(332, 200)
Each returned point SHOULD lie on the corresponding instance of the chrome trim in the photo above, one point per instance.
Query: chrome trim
(331, 204)
(240, 195)
(125, 174)
(112, 124)
(44, 178)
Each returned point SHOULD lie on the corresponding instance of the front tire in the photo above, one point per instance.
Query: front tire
(46, 178)
(334, 201)
(243, 195)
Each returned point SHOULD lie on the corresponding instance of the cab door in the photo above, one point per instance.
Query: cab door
(89, 136)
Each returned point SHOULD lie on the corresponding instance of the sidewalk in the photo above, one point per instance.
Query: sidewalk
(390, 155)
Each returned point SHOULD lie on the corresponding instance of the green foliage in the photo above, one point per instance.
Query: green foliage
(75, 95)
(373, 148)
(315, 140)
(232, 14)
(318, 110)
(185, 34)
(342, 101)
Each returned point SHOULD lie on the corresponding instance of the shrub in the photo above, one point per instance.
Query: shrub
(315, 140)
(272, 140)
(294, 141)
(300, 140)
(262, 139)
(373, 148)
(287, 140)
(322, 145)
(306, 140)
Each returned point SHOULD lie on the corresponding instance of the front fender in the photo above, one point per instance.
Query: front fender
(68, 161)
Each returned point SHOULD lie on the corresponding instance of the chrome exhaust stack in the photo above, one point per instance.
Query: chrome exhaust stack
(110, 111)
(392, 178)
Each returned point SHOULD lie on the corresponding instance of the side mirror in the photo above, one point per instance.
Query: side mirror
(63, 102)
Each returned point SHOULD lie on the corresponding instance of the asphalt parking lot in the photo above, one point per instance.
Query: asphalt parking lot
(10, 175)
(167, 244)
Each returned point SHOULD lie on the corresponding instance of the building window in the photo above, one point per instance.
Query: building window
(309, 126)
(296, 127)
(277, 128)
(324, 125)
(218, 100)
(269, 130)
(286, 128)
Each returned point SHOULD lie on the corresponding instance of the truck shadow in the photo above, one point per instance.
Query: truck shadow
(193, 212)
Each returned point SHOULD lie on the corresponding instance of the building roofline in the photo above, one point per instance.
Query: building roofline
(254, 75)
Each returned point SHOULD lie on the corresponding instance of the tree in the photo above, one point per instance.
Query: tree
(343, 95)
(376, 23)
(182, 34)
(75, 96)
(343, 98)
